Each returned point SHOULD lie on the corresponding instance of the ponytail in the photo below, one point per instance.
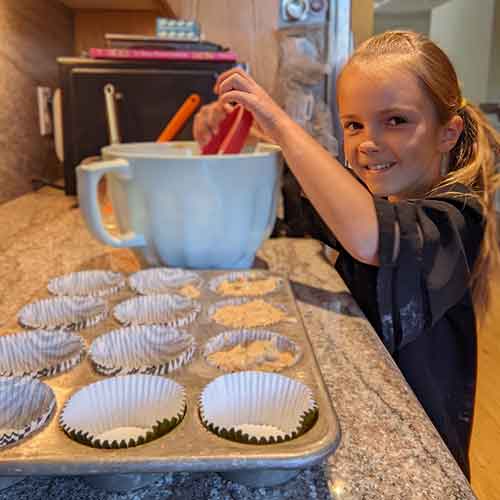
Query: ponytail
(473, 162)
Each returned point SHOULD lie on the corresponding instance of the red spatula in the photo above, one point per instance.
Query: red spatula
(232, 134)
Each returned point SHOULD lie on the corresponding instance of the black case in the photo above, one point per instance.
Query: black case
(151, 93)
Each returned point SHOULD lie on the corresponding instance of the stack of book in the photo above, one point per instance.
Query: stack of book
(175, 41)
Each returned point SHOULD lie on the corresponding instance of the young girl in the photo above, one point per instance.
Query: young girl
(415, 226)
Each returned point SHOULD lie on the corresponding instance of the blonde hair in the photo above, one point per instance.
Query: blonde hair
(473, 160)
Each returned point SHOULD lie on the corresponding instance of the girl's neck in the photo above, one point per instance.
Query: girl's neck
(421, 192)
(418, 191)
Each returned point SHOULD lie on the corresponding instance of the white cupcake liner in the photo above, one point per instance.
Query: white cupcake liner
(154, 350)
(262, 361)
(87, 283)
(169, 310)
(39, 353)
(257, 407)
(124, 411)
(162, 280)
(26, 404)
(245, 276)
(256, 323)
(69, 313)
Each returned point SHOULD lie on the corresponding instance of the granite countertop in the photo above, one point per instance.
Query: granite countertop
(389, 449)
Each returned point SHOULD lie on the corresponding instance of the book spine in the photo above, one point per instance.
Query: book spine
(177, 55)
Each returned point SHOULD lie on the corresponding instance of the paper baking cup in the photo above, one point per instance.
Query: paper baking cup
(252, 321)
(259, 361)
(125, 411)
(87, 283)
(162, 280)
(257, 407)
(169, 310)
(69, 313)
(39, 353)
(26, 404)
(269, 283)
(154, 350)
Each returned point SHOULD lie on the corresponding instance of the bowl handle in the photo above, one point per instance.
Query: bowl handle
(88, 176)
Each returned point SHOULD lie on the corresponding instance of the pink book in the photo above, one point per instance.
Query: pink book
(171, 55)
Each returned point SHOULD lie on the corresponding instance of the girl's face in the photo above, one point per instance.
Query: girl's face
(392, 138)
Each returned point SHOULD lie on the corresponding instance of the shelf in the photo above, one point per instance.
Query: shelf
(154, 5)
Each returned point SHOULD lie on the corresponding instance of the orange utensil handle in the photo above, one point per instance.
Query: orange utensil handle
(180, 118)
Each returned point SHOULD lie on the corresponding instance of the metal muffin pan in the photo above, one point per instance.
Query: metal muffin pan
(189, 447)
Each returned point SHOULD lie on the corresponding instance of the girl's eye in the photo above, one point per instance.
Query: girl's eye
(353, 126)
(396, 120)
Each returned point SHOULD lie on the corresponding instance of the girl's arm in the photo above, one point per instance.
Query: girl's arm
(344, 204)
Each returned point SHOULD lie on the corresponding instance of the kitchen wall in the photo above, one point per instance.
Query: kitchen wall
(32, 34)
(469, 33)
(416, 21)
(464, 30)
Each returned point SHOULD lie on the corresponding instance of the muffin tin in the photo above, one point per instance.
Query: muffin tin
(190, 446)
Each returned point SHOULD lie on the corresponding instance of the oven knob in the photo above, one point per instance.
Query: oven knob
(296, 10)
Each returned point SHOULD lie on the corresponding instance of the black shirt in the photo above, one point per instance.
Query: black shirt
(420, 305)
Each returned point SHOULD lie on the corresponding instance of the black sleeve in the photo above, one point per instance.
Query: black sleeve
(439, 239)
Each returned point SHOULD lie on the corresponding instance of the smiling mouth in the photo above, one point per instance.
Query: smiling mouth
(380, 167)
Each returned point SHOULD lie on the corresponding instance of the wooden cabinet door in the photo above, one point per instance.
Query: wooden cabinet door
(246, 26)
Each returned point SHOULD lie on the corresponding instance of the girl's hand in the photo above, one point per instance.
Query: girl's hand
(236, 86)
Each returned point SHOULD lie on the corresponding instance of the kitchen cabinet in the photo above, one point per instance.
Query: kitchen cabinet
(247, 26)
(94, 18)
(362, 20)
(92, 25)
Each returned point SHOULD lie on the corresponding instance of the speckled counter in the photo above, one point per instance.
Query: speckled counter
(389, 448)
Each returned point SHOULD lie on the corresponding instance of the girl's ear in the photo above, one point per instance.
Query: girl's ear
(450, 132)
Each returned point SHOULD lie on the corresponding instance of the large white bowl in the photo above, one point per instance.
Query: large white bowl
(178, 208)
